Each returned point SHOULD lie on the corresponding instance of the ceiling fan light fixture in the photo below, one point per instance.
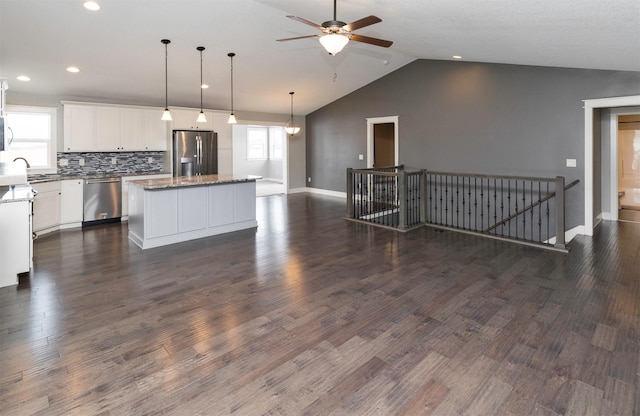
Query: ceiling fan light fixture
(334, 42)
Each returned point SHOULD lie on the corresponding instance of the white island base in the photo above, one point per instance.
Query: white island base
(173, 210)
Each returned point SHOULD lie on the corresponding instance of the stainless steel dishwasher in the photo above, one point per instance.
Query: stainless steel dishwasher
(102, 200)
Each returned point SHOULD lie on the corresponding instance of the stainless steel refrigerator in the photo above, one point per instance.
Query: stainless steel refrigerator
(195, 152)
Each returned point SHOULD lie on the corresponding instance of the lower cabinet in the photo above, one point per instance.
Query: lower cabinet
(71, 201)
(15, 241)
(46, 207)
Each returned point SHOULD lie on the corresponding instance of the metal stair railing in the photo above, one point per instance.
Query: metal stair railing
(527, 210)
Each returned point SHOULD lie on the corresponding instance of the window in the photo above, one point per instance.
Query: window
(265, 143)
(257, 143)
(34, 136)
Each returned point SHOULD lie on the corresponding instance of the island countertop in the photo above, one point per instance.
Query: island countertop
(196, 180)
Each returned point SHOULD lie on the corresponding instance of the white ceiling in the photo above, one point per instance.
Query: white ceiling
(121, 58)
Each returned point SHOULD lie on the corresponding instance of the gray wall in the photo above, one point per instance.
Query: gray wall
(468, 117)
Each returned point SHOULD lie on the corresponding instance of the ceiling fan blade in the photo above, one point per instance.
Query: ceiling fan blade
(297, 37)
(371, 41)
(306, 22)
(365, 21)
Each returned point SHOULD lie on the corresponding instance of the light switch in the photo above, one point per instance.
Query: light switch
(571, 163)
(114, 161)
(81, 161)
(360, 157)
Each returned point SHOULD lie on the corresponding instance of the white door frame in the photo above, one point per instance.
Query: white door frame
(381, 120)
(589, 107)
(613, 179)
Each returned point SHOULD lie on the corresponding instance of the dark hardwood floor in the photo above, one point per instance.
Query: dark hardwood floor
(312, 315)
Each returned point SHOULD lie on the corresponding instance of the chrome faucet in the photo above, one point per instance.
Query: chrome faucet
(25, 160)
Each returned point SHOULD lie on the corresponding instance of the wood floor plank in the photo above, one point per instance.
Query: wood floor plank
(309, 314)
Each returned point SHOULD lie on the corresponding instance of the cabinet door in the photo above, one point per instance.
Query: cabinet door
(132, 129)
(79, 124)
(15, 241)
(71, 201)
(107, 129)
(46, 206)
(155, 130)
(184, 119)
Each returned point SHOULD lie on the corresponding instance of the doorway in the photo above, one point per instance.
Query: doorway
(261, 150)
(591, 129)
(382, 141)
(628, 172)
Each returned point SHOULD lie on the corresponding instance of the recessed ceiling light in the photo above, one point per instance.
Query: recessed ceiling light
(204, 86)
(457, 57)
(23, 78)
(91, 5)
(73, 69)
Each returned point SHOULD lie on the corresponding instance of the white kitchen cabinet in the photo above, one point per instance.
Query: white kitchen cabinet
(125, 188)
(79, 128)
(71, 203)
(107, 133)
(154, 130)
(132, 130)
(185, 119)
(46, 207)
(113, 128)
(15, 241)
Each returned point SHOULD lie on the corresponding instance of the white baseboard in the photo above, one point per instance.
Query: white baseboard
(319, 191)
(569, 234)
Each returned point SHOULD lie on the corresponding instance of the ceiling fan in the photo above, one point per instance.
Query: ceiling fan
(336, 34)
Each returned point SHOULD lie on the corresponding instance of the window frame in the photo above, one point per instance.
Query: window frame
(52, 112)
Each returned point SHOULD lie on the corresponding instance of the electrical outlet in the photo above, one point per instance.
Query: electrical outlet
(81, 161)
(114, 161)
(571, 163)
(64, 162)
(309, 179)
(150, 160)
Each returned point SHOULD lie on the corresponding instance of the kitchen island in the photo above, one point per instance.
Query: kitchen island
(177, 209)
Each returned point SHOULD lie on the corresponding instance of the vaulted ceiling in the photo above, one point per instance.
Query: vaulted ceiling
(121, 58)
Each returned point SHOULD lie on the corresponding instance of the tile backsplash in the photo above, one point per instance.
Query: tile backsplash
(95, 163)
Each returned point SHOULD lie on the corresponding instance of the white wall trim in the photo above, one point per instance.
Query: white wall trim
(589, 107)
(396, 139)
(569, 234)
(319, 191)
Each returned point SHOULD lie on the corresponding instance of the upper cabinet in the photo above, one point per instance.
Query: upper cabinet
(185, 119)
(79, 128)
(110, 128)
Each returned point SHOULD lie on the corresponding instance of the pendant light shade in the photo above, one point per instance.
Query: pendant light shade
(166, 115)
(334, 42)
(232, 117)
(201, 118)
(291, 127)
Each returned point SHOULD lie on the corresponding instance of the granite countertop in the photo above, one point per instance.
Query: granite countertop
(15, 193)
(185, 181)
(39, 178)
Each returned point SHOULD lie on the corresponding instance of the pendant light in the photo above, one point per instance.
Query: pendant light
(291, 127)
(232, 117)
(166, 115)
(201, 118)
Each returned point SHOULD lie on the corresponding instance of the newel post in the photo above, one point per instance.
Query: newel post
(349, 193)
(402, 203)
(560, 243)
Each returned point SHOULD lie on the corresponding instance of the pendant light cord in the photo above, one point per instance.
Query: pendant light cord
(200, 48)
(231, 55)
(166, 73)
